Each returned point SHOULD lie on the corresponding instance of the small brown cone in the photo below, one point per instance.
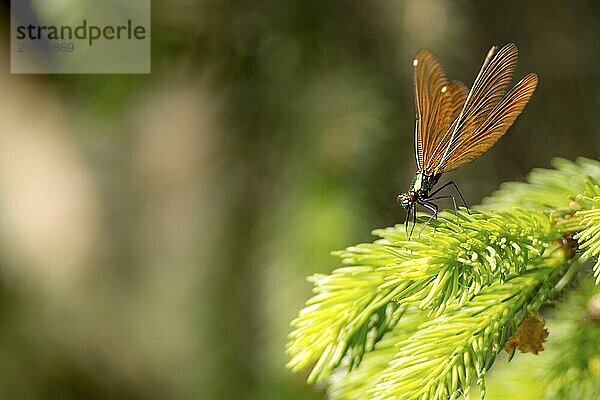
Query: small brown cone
(529, 338)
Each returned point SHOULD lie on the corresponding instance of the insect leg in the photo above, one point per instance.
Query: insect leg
(406, 223)
(431, 207)
(445, 185)
(447, 197)
(414, 220)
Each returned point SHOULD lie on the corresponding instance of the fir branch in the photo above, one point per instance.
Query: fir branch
(589, 237)
(586, 221)
(346, 313)
(447, 353)
(471, 281)
(347, 384)
(450, 263)
(546, 189)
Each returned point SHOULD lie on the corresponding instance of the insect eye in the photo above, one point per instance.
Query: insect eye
(403, 200)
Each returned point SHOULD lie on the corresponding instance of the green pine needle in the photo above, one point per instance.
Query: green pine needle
(349, 385)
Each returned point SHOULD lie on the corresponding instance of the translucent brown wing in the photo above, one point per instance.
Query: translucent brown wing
(458, 92)
(499, 120)
(437, 103)
(457, 95)
(484, 98)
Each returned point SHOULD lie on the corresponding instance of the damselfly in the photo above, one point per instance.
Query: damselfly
(455, 125)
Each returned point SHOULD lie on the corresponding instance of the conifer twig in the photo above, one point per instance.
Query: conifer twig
(428, 316)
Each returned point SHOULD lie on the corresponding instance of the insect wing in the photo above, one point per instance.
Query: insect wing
(500, 119)
(482, 104)
(457, 92)
(434, 104)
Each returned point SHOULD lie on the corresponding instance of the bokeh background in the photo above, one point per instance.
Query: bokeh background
(156, 230)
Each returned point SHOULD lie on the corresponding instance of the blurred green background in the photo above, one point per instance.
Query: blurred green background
(156, 230)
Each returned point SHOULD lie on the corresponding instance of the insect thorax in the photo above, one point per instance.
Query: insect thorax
(423, 183)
